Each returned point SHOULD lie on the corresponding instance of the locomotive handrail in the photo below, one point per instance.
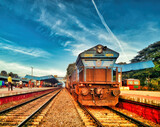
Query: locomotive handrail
(117, 70)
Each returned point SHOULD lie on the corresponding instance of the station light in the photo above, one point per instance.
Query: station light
(99, 49)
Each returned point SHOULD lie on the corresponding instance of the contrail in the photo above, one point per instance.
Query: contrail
(108, 29)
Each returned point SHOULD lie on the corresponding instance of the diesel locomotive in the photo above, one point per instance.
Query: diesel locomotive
(95, 81)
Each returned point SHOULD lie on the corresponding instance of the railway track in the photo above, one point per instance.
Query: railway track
(106, 117)
(22, 115)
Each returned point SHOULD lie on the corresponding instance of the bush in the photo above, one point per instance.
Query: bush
(153, 87)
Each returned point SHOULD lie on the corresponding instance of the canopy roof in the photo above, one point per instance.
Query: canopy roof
(136, 66)
(49, 78)
(14, 79)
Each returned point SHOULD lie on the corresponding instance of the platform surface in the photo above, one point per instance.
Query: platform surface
(148, 97)
(4, 91)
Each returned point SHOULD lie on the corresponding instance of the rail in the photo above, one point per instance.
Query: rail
(97, 122)
(139, 123)
(6, 119)
(11, 108)
(40, 108)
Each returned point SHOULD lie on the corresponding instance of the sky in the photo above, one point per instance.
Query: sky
(49, 34)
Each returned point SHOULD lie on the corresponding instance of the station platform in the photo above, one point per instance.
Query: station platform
(24, 93)
(147, 97)
(16, 91)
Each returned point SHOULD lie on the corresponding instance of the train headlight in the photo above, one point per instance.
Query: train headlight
(81, 84)
(99, 49)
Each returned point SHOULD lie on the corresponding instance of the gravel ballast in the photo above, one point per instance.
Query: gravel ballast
(62, 113)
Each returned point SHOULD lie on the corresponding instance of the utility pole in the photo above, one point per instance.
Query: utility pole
(32, 71)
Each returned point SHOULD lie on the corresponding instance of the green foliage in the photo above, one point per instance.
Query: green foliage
(153, 87)
(157, 66)
(13, 75)
(3, 73)
(152, 52)
(71, 68)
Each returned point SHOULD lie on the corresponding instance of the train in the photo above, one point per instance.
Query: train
(133, 84)
(95, 80)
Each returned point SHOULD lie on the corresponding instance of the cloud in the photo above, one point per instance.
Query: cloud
(79, 24)
(107, 38)
(67, 43)
(77, 30)
(61, 6)
(78, 48)
(130, 47)
(85, 38)
(22, 70)
(109, 30)
(152, 26)
(121, 57)
(11, 46)
(81, 39)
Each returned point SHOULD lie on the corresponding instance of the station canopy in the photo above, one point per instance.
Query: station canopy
(5, 78)
(136, 66)
(49, 78)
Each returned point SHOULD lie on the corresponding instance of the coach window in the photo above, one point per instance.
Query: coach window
(136, 82)
(130, 82)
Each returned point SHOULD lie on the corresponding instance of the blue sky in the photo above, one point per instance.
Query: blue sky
(49, 34)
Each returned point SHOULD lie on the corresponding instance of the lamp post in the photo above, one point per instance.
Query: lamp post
(32, 76)
(32, 71)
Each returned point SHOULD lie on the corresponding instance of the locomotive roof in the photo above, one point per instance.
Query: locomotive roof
(93, 49)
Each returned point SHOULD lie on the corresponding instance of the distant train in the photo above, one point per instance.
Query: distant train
(133, 84)
(95, 81)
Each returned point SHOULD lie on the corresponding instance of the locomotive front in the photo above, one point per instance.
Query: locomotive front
(96, 81)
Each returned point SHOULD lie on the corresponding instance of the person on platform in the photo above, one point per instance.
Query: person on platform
(10, 83)
(20, 84)
(29, 83)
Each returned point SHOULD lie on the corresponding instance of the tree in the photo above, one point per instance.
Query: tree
(3, 73)
(11, 73)
(71, 68)
(146, 76)
(15, 75)
(121, 63)
(152, 52)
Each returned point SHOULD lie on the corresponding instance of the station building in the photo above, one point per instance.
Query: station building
(47, 81)
(4, 81)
